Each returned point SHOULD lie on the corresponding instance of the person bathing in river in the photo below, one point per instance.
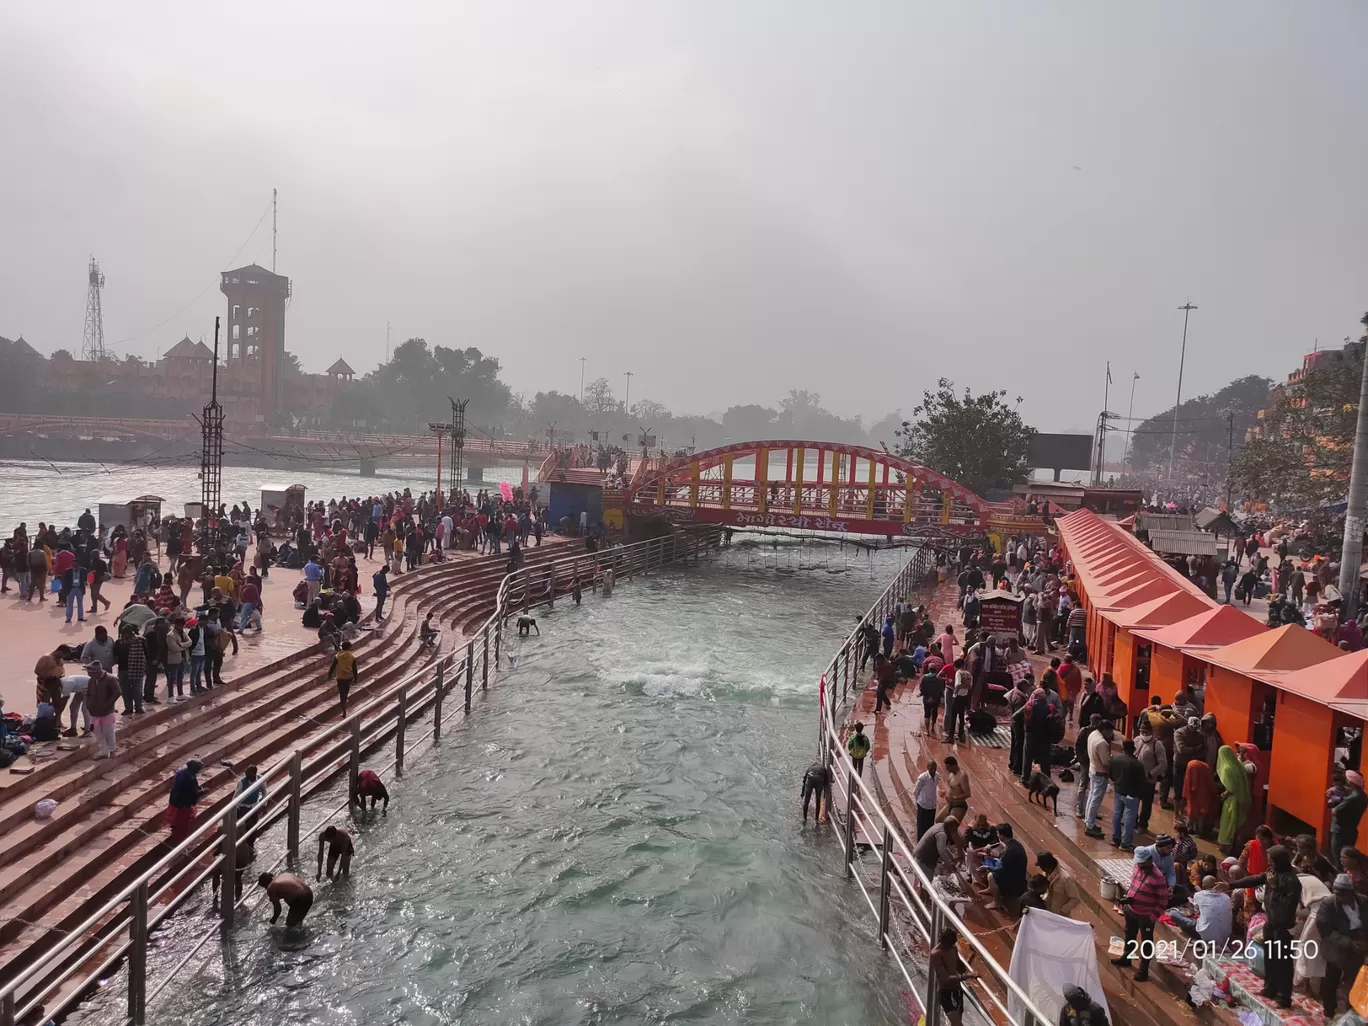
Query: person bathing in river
(292, 889)
(340, 852)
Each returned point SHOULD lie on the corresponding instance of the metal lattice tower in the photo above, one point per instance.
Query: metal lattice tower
(92, 341)
(458, 433)
(211, 450)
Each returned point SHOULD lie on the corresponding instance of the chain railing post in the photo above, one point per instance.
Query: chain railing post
(228, 878)
(484, 664)
(551, 586)
(399, 730)
(7, 1009)
(137, 956)
(470, 671)
(885, 885)
(850, 825)
(498, 635)
(930, 997)
(296, 806)
(437, 706)
(354, 769)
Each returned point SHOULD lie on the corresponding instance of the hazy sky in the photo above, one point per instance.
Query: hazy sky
(730, 199)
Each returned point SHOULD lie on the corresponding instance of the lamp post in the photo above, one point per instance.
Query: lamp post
(1130, 414)
(1187, 309)
(627, 396)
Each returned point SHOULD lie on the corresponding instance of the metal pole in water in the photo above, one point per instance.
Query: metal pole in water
(884, 887)
(7, 1009)
(354, 772)
(470, 671)
(484, 665)
(296, 803)
(437, 708)
(399, 732)
(850, 825)
(228, 879)
(137, 956)
(930, 999)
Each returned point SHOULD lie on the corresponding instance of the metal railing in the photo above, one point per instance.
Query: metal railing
(906, 896)
(119, 930)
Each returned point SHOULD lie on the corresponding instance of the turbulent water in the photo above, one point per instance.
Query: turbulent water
(612, 837)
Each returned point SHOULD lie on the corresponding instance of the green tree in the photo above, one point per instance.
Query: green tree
(978, 441)
(1302, 451)
(1203, 428)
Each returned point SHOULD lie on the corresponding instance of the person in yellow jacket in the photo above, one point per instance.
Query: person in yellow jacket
(858, 747)
(346, 668)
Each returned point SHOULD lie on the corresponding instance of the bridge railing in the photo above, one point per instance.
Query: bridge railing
(406, 715)
(906, 908)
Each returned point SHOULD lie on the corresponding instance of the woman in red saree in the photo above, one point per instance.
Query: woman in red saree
(1199, 796)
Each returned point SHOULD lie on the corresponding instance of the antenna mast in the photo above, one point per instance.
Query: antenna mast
(211, 449)
(273, 230)
(458, 433)
(92, 341)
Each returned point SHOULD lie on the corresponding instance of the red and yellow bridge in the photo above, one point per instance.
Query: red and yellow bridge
(813, 486)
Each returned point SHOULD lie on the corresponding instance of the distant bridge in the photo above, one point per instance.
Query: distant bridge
(816, 486)
(306, 448)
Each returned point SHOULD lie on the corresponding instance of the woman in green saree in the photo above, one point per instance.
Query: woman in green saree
(1234, 797)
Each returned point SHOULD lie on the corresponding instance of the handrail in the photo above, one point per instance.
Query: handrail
(303, 777)
(862, 804)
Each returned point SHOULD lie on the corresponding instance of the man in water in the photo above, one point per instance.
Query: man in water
(292, 889)
(339, 845)
(244, 857)
(369, 785)
(526, 625)
(816, 781)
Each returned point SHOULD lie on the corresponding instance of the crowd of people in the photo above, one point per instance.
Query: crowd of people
(198, 584)
(1258, 889)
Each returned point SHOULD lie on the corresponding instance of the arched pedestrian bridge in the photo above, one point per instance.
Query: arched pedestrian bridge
(815, 486)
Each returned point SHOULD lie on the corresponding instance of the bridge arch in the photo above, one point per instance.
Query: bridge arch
(808, 485)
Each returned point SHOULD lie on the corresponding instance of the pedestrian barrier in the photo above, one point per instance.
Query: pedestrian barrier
(907, 904)
(120, 929)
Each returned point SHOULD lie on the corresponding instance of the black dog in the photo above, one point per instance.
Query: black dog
(1043, 788)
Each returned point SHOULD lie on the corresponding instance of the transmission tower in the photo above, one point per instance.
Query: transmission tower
(92, 342)
(458, 432)
(211, 450)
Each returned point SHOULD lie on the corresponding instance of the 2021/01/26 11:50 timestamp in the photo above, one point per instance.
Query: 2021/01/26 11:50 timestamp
(1237, 949)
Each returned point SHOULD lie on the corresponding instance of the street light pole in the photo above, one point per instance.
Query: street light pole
(1187, 309)
(582, 362)
(1130, 418)
(627, 398)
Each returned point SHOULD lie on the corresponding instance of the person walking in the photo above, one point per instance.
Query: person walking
(959, 702)
(1345, 816)
(1145, 901)
(185, 795)
(886, 679)
(346, 669)
(380, 582)
(1342, 923)
(177, 645)
(858, 748)
(1282, 896)
(1099, 772)
(102, 699)
(131, 657)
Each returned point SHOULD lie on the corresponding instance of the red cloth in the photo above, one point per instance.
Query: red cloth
(1258, 860)
(181, 822)
(1199, 790)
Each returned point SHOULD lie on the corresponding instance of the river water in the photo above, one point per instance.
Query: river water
(613, 836)
(34, 490)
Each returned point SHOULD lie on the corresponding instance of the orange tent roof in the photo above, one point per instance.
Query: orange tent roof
(1141, 593)
(1274, 652)
(1102, 552)
(1162, 611)
(1341, 679)
(1222, 625)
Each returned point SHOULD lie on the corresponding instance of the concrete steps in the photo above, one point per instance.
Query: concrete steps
(109, 826)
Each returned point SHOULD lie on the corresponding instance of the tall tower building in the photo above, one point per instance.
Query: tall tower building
(256, 336)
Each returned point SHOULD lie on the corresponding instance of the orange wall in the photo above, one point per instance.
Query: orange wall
(1299, 771)
(1230, 696)
(1123, 668)
(1166, 672)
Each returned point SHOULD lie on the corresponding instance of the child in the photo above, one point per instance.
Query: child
(1035, 892)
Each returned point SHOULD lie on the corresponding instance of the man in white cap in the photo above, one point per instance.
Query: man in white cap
(1345, 816)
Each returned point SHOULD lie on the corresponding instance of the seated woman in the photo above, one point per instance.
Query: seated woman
(313, 616)
(301, 595)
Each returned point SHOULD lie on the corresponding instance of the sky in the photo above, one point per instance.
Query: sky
(729, 200)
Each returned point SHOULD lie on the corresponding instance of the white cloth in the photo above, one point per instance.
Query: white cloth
(1050, 953)
(74, 683)
(924, 791)
(1313, 893)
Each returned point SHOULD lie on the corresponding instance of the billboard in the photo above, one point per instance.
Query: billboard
(1061, 452)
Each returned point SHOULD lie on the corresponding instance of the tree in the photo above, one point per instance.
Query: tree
(978, 441)
(1203, 428)
(598, 396)
(289, 367)
(1303, 447)
(650, 413)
